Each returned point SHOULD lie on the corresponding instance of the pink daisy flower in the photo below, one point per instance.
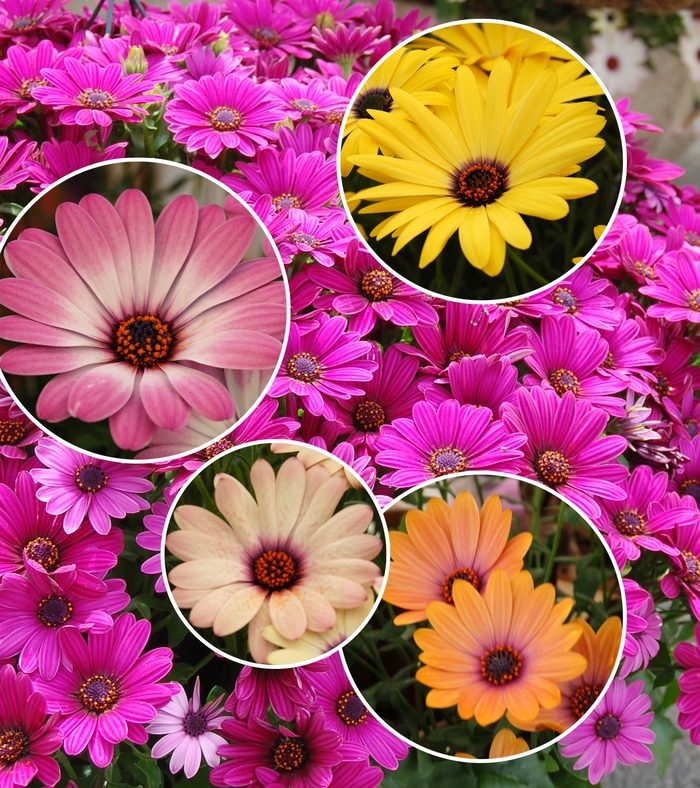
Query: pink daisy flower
(28, 20)
(150, 540)
(344, 44)
(80, 486)
(165, 37)
(323, 239)
(677, 288)
(630, 356)
(115, 342)
(20, 75)
(585, 298)
(12, 162)
(285, 690)
(16, 431)
(307, 100)
(688, 656)
(643, 629)
(112, 689)
(272, 27)
(685, 565)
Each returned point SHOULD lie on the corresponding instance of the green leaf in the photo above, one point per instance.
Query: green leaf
(550, 764)
(666, 735)
(425, 765)
(12, 208)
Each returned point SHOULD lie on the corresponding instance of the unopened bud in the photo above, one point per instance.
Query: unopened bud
(136, 62)
(325, 21)
(221, 44)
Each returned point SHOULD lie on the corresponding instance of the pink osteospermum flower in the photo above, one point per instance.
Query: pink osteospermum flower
(28, 738)
(13, 161)
(344, 44)
(643, 629)
(20, 75)
(324, 239)
(121, 348)
(150, 540)
(223, 111)
(27, 20)
(112, 690)
(687, 656)
(79, 486)
(631, 356)
(583, 296)
(617, 730)
(173, 40)
(272, 27)
(285, 691)
(16, 431)
(188, 731)
(685, 565)
(306, 100)
(638, 252)
(676, 289)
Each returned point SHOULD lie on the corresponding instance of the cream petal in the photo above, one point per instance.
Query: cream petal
(239, 610)
(320, 614)
(321, 507)
(205, 610)
(262, 477)
(238, 506)
(339, 591)
(205, 573)
(289, 494)
(361, 546)
(349, 521)
(287, 614)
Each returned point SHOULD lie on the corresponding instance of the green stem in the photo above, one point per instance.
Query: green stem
(206, 496)
(480, 490)
(202, 662)
(66, 764)
(555, 543)
(536, 512)
(518, 260)
(510, 279)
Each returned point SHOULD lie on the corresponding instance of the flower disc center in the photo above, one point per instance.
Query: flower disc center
(564, 297)
(378, 285)
(552, 467)
(54, 611)
(143, 340)
(43, 551)
(304, 367)
(564, 380)
(584, 697)
(98, 693)
(304, 105)
(630, 523)
(351, 710)
(447, 460)
(225, 119)
(692, 238)
(14, 744)
(11, 432)
(480, 184)
(304, 238)
(194, 723)
(275, 570)
(692, 567)
(266, 36)
(90, 478)
(608, 727)
(25, 90)
(96, 99)
(216, 448)
(691, 487)
(288, 754)
(463, 573)
(692, 426)
(501, 664)
(24, 23)
(369, 416)
(372, 99)
(694, 300)
(284, 201)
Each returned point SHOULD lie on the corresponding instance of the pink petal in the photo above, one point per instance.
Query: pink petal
(102, 391)
(240, 349)
(30, 360)
(163, 405)
(52, 404)
(136, 215)
(23, 329)
(131, 427)
(200, 391)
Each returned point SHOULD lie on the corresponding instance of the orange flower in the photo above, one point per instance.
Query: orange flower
(506, 651)
(577, 696)
(504, 744)
(447, 543)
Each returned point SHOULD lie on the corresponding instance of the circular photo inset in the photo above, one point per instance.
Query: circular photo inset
(277, 552)
(481, 160)
(144, 310)
(501, 624)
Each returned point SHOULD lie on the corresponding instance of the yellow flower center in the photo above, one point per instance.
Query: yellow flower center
(694, 300)
(351, 709)
(14, 744)
(369, 416)
(564, 380)
(275, 570)
(378, 285)
(216, 448)
(501, 664)
(225, 119)
(447, 460)
(630, 523)
(564, 297)
(463, 573)
(284, 201)
(143, 340)
(25, 90)
(692, 566)
(480, 184)
(96, 99)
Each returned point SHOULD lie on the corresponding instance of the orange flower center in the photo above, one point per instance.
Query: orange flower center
(305, 238)
(691, 487)
(43, 551)
(96, 99)
(501, 664)
(630, 523)
(275, 570)
(225, 119)
(90, 478)
(463, 573)
(378, 285)
(351, 709)
(216, 448)
(304, 367)
(552, 467)
(480, 184)
(447, 460)
(692, 566)
(692, 426)
(304, 105)
(14, 744)
(372, 99)
(458, 355)
(284, 201)
(54, 611)
(608, 727)
(369, 415)
(609, 362)
(642, 269)
(694, 300)
(11, 432)
(98, 693)
(564, 380)
(288, 755)
(584, 698)
(266, 36)
(692, 238)
(143, 340)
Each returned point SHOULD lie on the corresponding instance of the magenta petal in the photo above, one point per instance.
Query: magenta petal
(102, 391)
(163, 405)
(201, 392)
(112, 726)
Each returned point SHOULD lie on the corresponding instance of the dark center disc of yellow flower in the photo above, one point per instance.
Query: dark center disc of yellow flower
(304, 367)
(372, 99)
(463, 573)
(266, 36)
(288, 755)
(275, 570)
(552, 467)
(692, 426)
(11, 432)
(96, 99)
(583, 699)
(501, 664)
(225, 119)
(351, 710)
(25, 90)
(447, 460)
(284, 201)
(194, 723)
(564, 297)
(369, 416)
(608, 727)
(24, 23)
(216, 448)
(694, 300)
(143, 340)
(692, 567)
(378, 285)
(54, 611)
(304, 105)
(691, 487)
(480, 184)
(43, 551)
(98, 693)
(14, 744)
(306, 239)
(692, 238)
(630, 523)
(90, 478)
(564, 380)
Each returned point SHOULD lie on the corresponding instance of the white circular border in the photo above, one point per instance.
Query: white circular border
(615, 667)
(382, 522)
(576, 266)
(259, 223)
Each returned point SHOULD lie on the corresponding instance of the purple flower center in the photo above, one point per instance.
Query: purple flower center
(694, 300)
(304, 238)
(90, 478)
(552, 467)
(275, 570)
(643, 269)
(98, 693)
(288, 755)
(225, 119)
(54, 611)
(378, 285)
(480, 184)
(351, 710)
(43, 551)
(609, 362)
(266, 36)
(284, 201)
(11, 432)
(194, 723)
(501, 664)
(304, 105)
(692, 238)
(630, 523)
(564, 380)
(662, 385)
(692, 426)
(14, 744)
(369, 416)
(692, 567)
(304, 367)
(169, 49)
(96, 99)
(143, 340)
(447, 460)
(584, 698)
(608, 727)
(564, 297)
(24, 23)
(691, 487)
(216, 448)
(372, 99)
(25, 90)
(463, 573)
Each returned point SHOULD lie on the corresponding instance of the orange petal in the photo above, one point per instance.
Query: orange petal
(491, 706)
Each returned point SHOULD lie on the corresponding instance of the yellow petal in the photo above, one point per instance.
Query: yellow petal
(401, 170)
(418, 225)
(439, 235)
(494, 124)
(475, 238)
(534, 202)
(470, 109)
(510, 225)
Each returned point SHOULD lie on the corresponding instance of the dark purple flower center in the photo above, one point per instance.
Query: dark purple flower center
(96, 99)
(14, 744)
(643, 269)
(266, 36)
(480, 184)
(304, 238)
(630, 523)
(694, 300)
(288, 755)
(54, 611)
(351, 710)
(692, 567)
(11, 432)
(691, 487)
(608, 727)
(225, 119)
(169, 49)
(583, 699)
(692, 426)
(304, 367)
(98, 693)
(662, 385)
(692, 238)
(90, 478)
(143, 340)
(501, 664)
(275, 570)
(216, 448)
(564, 380)
(552, 467)
(43, 551)
(564, 297)
(25, 90)
(447, 460)
(194, 723)
(304, 105)
(378, 285)
(24, 23)
(284, 201)
(463, 573)
(369, 416)
(372, 99)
